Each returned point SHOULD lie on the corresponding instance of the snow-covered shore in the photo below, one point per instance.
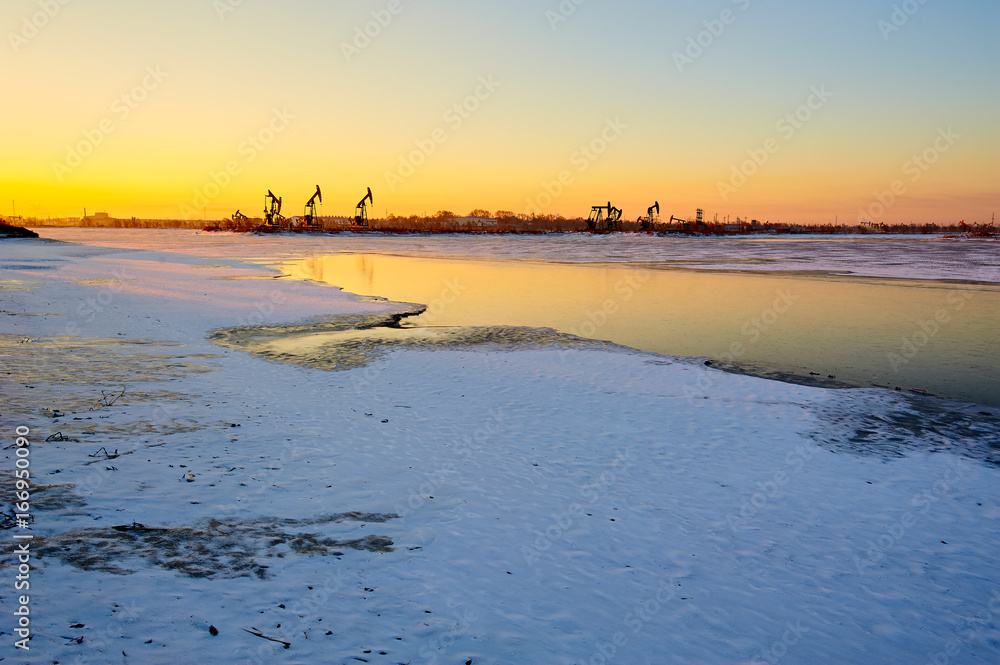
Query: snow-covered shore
(484, 502)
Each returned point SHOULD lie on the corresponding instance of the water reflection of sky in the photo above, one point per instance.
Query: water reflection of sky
(853, 328)
(909, 256)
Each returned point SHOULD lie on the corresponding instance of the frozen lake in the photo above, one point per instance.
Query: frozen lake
(911, 256)
(897, 311)
(486, 500)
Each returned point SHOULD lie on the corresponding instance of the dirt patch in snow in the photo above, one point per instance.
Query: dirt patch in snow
(348, 342)
(43, 497)
(75, 375)
(213, 549)
(893, 426)
(88, 361)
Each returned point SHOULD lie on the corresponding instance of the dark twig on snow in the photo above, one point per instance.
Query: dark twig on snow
(288, 645)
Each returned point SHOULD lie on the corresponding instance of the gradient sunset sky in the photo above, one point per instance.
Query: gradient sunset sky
(148, 108)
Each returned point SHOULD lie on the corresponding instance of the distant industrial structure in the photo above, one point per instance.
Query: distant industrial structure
(361, 212)
(605, 219)
(652, 218)
(310, 218)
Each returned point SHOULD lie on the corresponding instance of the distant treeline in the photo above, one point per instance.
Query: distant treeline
(114, 223)
(505, 221)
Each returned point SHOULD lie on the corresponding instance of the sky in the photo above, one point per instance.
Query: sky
(780, 110)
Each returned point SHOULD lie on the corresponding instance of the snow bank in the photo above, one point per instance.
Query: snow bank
(471, 502)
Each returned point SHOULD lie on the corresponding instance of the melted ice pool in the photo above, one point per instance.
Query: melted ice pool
(928, 335)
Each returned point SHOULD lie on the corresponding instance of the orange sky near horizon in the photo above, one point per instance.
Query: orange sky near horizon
(802, 115)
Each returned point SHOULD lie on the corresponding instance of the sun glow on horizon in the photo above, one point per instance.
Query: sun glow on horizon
(183, 111)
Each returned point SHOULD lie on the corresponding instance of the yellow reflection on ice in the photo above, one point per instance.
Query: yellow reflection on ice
(930, 335)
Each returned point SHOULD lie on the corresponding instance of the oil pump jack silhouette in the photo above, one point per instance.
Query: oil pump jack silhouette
(361, 212)
(310, 219)
(272, 211)
(605, 219)
(652, 216)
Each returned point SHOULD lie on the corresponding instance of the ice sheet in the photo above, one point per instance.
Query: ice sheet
(901, 256)
(542, 505)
